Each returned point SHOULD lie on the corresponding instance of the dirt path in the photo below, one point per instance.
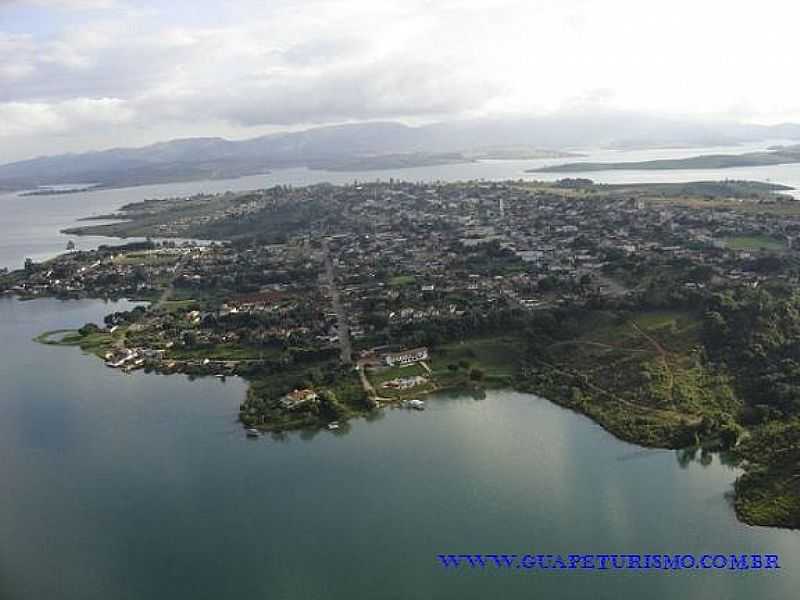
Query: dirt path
(597, 344)
(623, 401)
(661, 352)
(169, 291)
(369, 388)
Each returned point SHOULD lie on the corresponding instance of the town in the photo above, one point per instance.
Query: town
(658, 310)
(389, 272)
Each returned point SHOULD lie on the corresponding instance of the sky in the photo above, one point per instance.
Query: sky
(90, 74)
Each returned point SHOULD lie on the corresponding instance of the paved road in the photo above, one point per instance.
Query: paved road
(343, 329)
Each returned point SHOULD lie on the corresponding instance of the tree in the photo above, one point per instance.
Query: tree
(476, 374)
(189, 339)
(329, 406)
(88, 329)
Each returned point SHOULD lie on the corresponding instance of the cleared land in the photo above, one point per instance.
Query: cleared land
(640, 376)
(755, 242)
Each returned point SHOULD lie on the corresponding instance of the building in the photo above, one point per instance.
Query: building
(297, 398)
(406, 357)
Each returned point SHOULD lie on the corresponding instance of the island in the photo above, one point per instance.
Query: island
(776, 155)
(667, 313)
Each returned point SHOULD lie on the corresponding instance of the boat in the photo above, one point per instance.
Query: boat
(253, 432)
(333, 425)
(414, 404)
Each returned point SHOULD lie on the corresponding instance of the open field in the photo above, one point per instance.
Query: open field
(497, 357)
(402, 280)
(148, 258)
(95, 343)
(755, 242)
(638, 375)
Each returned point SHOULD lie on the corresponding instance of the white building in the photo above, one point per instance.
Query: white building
(406, 357)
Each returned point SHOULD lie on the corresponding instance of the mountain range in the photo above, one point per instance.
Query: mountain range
(378, 145)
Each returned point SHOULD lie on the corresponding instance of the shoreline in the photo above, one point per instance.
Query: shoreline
(300, 424)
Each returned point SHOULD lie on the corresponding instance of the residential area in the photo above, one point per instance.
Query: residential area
(375, 280)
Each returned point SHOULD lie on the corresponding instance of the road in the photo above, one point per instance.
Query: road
(170, 289)
(342, 328)
(119, 341)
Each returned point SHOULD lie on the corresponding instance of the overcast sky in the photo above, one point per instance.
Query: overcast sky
(86, 74)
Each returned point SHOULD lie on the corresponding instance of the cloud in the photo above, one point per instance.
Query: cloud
(66, 4)
(80, 115)
(248, 75)
(169, 66)
(387, 88)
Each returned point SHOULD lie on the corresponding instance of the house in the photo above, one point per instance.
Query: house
(406, 357)
(297, 398)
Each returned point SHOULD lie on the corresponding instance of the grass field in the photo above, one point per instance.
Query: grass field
(497, 356)
(402, 280)
(95, 343)
(639, 375)
(176, 305)
(148, 258)
(755, 242)
(224, 352)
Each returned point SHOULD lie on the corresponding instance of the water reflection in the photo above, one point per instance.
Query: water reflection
(641, 454)
(308, 435)
(145, 487)
(704, 457)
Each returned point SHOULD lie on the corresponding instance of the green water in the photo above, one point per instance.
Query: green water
(143, 487)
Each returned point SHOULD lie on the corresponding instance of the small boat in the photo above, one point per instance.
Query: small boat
(333, 425)
(415, 404)
(252, 432)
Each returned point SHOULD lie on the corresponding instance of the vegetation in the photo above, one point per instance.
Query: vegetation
(498, 359)
(726, 376)
(756, 334)
(401, 280)
(92, 341)
(341, 397)
(640, 375)
(754, 242)
(769, 491)
(706, 161)
(614, 300)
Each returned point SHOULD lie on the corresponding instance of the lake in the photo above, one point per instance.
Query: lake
(144, 486)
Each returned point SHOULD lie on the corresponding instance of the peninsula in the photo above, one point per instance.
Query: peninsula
(777, 155)
(668, 313)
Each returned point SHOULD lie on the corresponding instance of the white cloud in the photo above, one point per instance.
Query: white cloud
(79, 115)
(251, 63)
(67, 4)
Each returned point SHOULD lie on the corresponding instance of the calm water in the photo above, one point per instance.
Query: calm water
(143, 487)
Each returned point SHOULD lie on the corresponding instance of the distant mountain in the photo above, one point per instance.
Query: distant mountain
(376, 145)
